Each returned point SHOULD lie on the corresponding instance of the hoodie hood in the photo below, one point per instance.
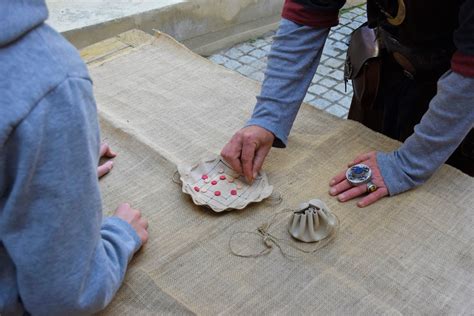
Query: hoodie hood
(18, 17)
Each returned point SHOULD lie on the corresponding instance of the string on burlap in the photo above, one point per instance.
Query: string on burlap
(270, 241)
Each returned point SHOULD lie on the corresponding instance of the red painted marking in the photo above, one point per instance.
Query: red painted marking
(204, 176)
(196, 189)
(222, 177)
(213, 182)
(217, 193)
(233, 192)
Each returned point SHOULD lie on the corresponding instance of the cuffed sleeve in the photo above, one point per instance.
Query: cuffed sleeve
(448, 120)
(292, 62)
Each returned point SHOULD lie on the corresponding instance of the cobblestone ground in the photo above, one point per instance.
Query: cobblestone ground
(327, 90)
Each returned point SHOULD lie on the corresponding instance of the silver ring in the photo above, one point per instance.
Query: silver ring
(358, 174)
(371, 187)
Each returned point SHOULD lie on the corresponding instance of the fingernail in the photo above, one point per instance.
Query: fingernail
(332, 182)
(332, 191)
(255, 175)
(341, 197)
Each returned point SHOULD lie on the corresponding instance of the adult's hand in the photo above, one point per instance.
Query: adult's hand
(247, 149)
(345, 191)
(106, 152)
(134, 218)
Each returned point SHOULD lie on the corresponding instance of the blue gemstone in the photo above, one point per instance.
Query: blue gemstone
(358, 170)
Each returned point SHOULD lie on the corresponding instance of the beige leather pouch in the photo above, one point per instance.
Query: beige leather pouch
(313, 221)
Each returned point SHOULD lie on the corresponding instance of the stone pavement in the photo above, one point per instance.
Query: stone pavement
(327, 91)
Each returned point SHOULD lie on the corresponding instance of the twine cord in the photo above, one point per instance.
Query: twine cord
(269, 240)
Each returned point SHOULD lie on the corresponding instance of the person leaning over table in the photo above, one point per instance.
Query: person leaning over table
(57, 255)
(432, 35)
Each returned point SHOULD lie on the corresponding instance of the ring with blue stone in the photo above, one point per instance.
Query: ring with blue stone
(359, 174)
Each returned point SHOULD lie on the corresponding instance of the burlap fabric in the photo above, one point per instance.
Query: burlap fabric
(160, 105)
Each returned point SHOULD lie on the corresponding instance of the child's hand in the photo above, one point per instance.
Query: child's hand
(105, 168)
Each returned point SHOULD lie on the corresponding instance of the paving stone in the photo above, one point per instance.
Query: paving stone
(320, 103)
(337, 74)
(334, 62)
(359, 11)
(247, 59)
(232, 64)
(346, 101)
(316, 78)
(340, 46)
(246, 70)
(343, 20)
(308, 97)
(344, 30)
(245, 48)
(361, 19)
(259, 76)
(331, 52)
(333, 95)
(317, 89)
(353, 25)
(258, 53)
(337, 110)
(341, 87)
(329, 42)
(323, 70)
(233, 53)
(338, 36)
(266, 48)
(259, 64)
(349, 15)
(218, 59)
(260, 42)
(328, 82)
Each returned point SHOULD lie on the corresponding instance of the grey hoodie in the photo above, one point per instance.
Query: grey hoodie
(57, 255)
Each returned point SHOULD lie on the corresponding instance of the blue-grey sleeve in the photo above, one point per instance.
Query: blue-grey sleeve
(67, 260)
(448, 120)
(292, 62)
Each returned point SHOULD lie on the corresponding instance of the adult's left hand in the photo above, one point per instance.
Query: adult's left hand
(345, 191)
(105, 152)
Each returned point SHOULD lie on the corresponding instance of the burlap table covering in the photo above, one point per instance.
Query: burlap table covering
(160, 105)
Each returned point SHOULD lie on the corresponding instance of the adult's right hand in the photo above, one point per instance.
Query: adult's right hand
(247, 149)
(134, 218)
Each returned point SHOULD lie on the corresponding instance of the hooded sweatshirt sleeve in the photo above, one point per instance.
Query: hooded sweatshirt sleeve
(67, 260)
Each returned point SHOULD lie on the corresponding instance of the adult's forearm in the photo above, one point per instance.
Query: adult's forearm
(292, 62)
(448, 120)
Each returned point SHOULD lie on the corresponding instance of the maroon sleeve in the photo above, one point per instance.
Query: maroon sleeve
(463, 60)
(306, 13)
(463, 64)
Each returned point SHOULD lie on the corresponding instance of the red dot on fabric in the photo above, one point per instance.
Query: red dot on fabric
(213, 182)
(217, 193)
(196, 189)
(204, 176)
(222, 177)
(233, 192)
